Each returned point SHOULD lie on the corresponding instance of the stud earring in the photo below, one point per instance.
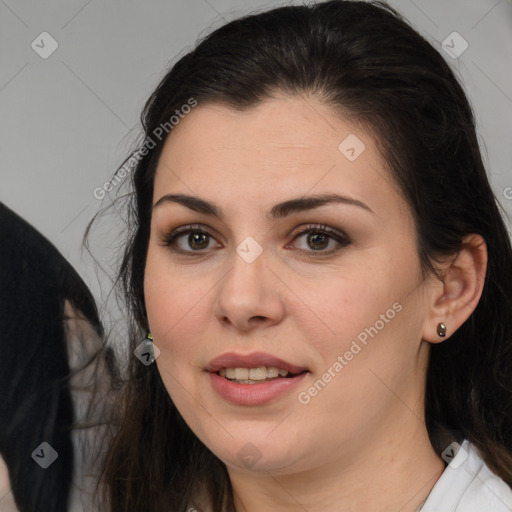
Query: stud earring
(441, 329)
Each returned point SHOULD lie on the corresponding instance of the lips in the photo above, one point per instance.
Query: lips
(254, 360)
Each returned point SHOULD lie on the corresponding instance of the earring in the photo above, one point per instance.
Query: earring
(441, 329)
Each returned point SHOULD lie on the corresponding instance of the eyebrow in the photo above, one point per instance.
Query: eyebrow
(278, 211)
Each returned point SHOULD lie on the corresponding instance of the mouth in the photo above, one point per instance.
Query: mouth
(254, 379)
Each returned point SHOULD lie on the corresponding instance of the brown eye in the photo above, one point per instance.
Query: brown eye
(318, 239)
(188, 240)
(198, 241)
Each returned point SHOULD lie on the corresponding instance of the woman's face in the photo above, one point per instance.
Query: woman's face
(341, 308)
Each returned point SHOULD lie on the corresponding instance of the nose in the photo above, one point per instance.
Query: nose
(249, 295)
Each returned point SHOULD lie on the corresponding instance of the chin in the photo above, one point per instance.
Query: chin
(257, 454)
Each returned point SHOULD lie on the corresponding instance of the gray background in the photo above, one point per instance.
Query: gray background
(68, 121)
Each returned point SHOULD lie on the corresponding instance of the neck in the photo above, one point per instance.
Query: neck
(390, 473)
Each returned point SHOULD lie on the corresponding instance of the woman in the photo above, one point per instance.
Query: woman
(326, 276)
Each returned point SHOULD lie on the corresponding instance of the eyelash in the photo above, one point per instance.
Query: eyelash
(341, 238)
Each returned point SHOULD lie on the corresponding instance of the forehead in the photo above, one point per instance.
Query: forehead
(283, 146)
(291, 128)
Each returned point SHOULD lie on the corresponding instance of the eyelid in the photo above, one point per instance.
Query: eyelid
(324, 228)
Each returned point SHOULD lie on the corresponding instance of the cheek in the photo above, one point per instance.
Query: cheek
(345, 305)
(173, 315)
(175, 307)
(373, 319)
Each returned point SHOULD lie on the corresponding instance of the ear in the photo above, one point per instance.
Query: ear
(453, 299)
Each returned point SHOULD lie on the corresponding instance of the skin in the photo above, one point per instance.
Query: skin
(6, 498)
(361, 442)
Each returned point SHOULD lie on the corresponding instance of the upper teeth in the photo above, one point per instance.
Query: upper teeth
(260, 373)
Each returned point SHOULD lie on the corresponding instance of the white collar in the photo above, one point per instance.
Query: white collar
(468, 485)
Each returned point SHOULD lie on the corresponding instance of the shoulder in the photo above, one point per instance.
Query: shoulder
(468, 485)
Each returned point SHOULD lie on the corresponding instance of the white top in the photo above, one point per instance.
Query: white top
(468, 485)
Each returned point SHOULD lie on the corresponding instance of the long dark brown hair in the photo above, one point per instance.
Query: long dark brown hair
(365, 62)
